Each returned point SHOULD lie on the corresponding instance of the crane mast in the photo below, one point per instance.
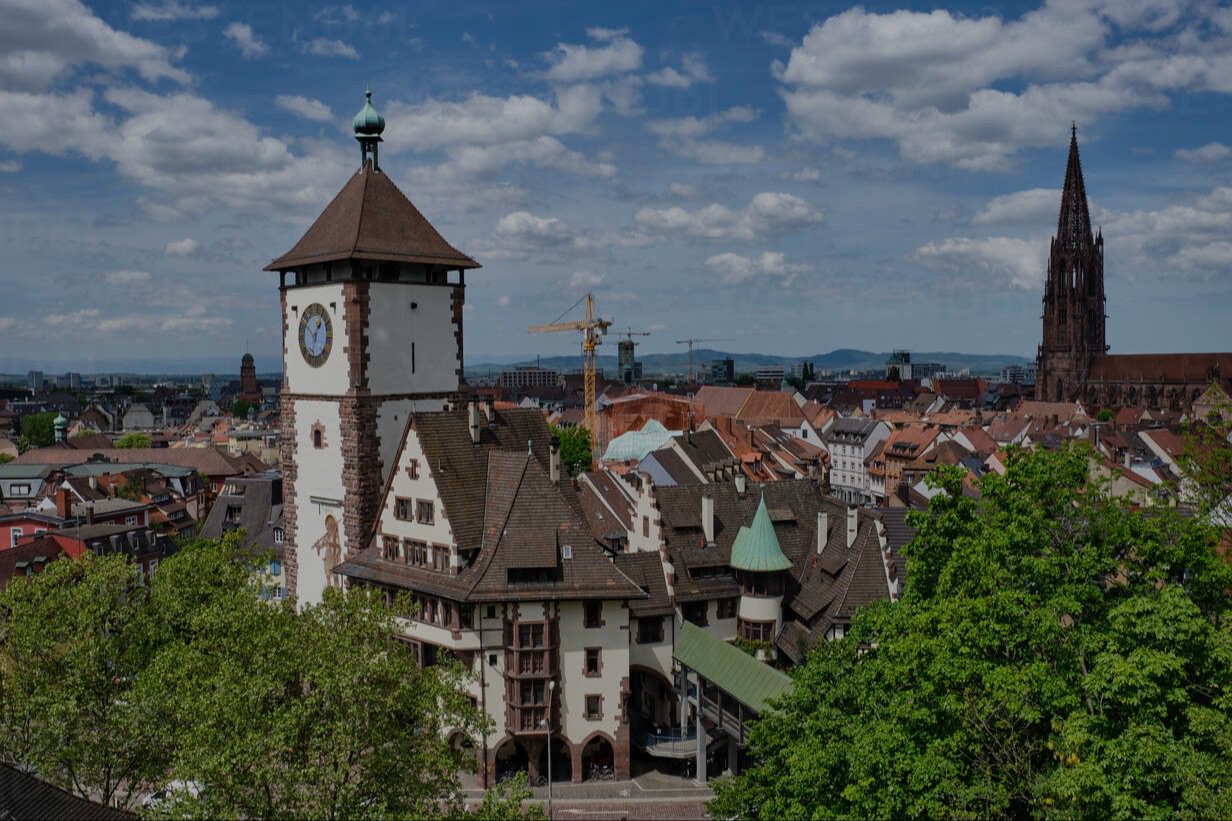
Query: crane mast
(592, 329)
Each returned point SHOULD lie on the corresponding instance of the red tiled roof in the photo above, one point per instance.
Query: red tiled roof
(1160, 367)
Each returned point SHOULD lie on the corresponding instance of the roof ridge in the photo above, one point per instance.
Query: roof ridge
(363, 204)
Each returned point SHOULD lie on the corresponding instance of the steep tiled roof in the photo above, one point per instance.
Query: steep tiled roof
(720, 401)
(499, 498)
(210, 461)
(371, 219)
(25, 796)
(1160, 367)
(764, 407)
(646, 571)
(705, 449)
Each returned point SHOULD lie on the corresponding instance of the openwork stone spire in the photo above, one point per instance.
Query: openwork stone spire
(1074, 223)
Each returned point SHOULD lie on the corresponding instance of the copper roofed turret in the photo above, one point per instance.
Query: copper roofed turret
(370, 219)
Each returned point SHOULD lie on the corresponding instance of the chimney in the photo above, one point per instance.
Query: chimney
(64, 503)
(1128, 458)
(472, 418)
(554, 460)
(742, 483)
(89, 513)
(708, 518)
(853, 526)
(823, 530)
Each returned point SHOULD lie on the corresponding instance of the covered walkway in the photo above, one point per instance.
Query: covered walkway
(729, 689)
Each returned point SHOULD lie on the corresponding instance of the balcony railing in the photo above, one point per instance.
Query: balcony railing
(669, 743)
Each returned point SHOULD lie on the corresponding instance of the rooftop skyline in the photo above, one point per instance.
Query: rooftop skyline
(794, 180)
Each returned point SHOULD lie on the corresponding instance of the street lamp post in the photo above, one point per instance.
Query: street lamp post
(548, 722)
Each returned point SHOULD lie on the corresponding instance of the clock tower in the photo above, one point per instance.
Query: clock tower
(372, 302)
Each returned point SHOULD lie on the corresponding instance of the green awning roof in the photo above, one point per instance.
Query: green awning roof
(734, 671)
(757, 547)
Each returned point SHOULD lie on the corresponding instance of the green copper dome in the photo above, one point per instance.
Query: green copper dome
(756, 547)
(368, 123)
(59, 421)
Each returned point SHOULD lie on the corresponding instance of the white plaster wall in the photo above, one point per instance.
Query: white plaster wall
(390, 422)
(394, 325)
(656, 656)
(645, 510)
(319, 473)
(332, 377)
(759, 608)
(725, 629)
(439, 532)
(613, 638)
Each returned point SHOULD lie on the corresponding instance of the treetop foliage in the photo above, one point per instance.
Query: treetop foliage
(1055, 654)
(114, 689)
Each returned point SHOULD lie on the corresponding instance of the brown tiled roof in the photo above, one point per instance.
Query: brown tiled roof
(720, 401)
(705, 449)
(675, 466)
(980, 440)
(210, 461)
(946, 453)
(764, 407)
(1160, 367)
(498, 498)
(371, 219)
(26, 796)
(460, 468)
(646, 571)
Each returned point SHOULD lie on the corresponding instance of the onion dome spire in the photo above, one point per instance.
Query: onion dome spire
(368, 126)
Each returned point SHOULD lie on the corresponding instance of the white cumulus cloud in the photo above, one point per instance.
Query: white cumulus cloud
(766, 214)
(173, 10)
(1211, 152)
(614, 54)
(737, 268)
(245, 39)
(126, 277)
(306, 107)
(182, 247)
(1018, 263)
(324, 47)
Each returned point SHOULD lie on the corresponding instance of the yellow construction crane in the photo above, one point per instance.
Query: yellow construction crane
(592, 329)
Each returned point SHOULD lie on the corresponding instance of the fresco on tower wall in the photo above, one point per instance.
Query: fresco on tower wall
(329, 548)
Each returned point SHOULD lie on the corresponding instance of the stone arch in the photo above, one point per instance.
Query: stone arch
(651, 707)
(596, 753)
(509, 757)
(562, 759)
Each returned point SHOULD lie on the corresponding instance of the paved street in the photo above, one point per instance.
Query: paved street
(650, 795)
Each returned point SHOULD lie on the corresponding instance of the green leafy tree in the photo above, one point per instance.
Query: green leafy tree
(5, 458)
(1206, 466)
(39, 429)
(575, 455)
(112, 689)
(1055, 654)
(240, 408)
(1105, 415)
(73, 643)
(133, 440)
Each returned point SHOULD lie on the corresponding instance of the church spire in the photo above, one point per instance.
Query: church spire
(1074, 223)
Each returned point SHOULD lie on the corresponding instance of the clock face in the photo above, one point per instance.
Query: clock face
(316, 335)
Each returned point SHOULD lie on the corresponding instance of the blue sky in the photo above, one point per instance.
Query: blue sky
(795, 178)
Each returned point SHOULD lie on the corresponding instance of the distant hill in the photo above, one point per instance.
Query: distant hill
(843, 359)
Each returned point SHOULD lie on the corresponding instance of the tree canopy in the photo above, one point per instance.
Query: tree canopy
(39, 429)
(575, 454)
(133, 440)
(113, 689)
(1055, 654)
